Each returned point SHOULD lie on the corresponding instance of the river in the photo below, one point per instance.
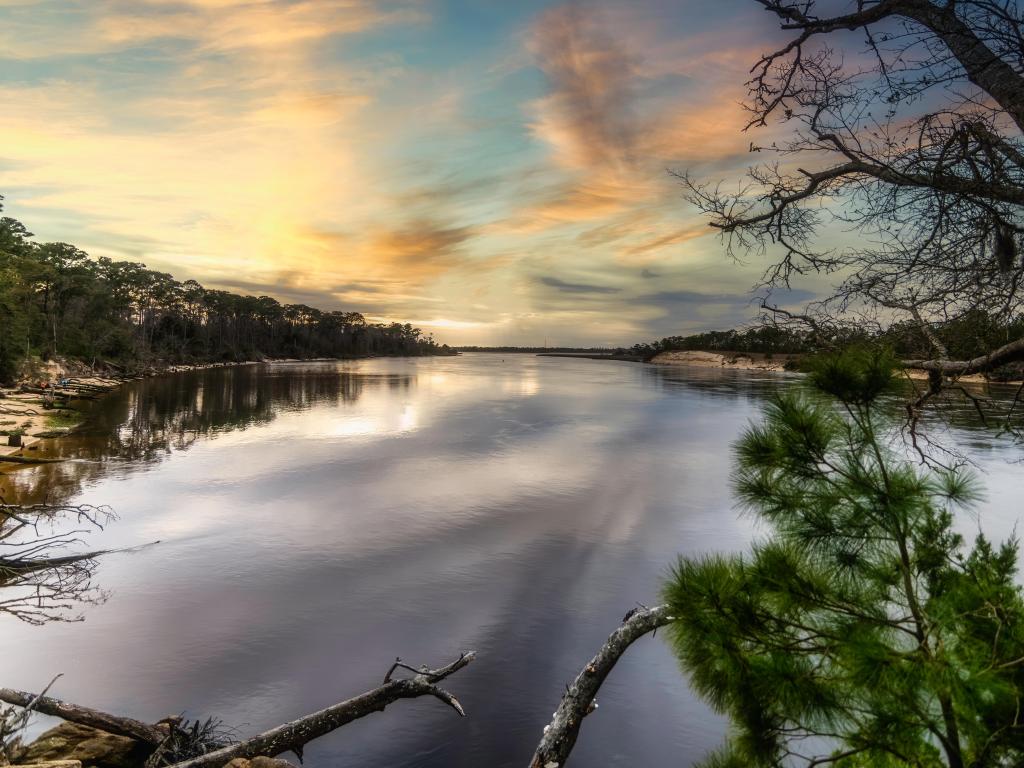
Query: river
(316, 520)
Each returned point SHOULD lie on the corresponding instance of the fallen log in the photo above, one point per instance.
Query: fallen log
(67, 394)
(293, 736)
(290, 737)
(89, 386)
(29, 460)
(580, 696)
(119, 726)
(8, 411)
(19, 566)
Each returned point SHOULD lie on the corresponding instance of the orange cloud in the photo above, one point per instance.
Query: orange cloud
(610, 148)
(105, 26)
(682, 235)
(241, 142)
(588, 115)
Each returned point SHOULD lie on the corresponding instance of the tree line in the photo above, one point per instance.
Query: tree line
(56, 300)
(969, 335)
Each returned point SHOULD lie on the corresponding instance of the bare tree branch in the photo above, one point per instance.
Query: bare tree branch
(93, 718)
(912, 147)
(1007, 353)
(293, 736)
(39, 582)
(580, 697)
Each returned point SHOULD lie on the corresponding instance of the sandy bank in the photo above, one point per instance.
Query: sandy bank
(50, 412)
(24, 411)
(758, 362)
(971, 378)
(730, 360)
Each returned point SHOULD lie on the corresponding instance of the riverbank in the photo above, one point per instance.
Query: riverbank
(42, 404)
(46, 400)
(744, 361)
(31, 413)
(739, 361)
(592, 356)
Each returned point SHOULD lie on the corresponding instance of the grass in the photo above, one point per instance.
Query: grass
(63, 419)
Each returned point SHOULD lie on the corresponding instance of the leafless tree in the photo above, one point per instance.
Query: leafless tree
(40, 580)
(901, 166)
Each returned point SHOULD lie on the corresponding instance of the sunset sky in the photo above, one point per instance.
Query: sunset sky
(492, 171)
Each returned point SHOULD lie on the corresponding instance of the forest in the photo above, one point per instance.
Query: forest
(969, 335)
(56, 300)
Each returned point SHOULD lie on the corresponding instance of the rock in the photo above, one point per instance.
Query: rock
(259, 762)
(91, 747)
(269, 762)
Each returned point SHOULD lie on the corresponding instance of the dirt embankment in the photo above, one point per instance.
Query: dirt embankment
(760, 362)
(732, 360)
(45, 402)
(42, 405)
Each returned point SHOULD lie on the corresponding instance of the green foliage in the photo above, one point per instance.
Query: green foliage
(55, 300)
(768, 339)
(857, 375)
(863, 631)
(966, 336)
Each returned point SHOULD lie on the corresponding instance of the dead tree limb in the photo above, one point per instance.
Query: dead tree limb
(580, 697)
(39, 581)
(119, 726)
(13, 724)
(11, 567)
(1008, 353)
(293, 736)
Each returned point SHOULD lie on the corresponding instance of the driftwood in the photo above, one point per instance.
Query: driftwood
(89, 387)
(293, 736)
(119, 726)
(18, 566)
(290, 737)
(555, 747)
(580, 697)
(6, 410)
(45, 581)
(29, 460)
(13, 725)
(69, 394)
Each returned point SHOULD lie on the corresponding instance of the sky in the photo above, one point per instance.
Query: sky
(494, 172)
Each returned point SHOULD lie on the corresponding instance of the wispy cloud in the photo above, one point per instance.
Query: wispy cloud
(367, 154)
(587, 116)
(567, 287)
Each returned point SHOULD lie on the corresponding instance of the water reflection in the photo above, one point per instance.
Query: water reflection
(146, 421)
(317, 521)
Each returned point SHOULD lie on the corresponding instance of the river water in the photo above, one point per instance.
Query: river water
(316, 520)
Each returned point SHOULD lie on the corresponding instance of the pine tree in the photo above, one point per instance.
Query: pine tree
(862, 631)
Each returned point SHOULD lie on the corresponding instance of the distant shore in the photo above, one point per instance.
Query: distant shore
(744, 361)
(593, 356)
(739, 361)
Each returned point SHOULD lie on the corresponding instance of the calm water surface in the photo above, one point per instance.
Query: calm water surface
(318, 520)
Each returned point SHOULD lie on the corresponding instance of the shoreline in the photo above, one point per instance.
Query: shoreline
(23, 409)
(38, 407)
(743, 361)
(591, 356)
(33, 414)
(739, 361)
